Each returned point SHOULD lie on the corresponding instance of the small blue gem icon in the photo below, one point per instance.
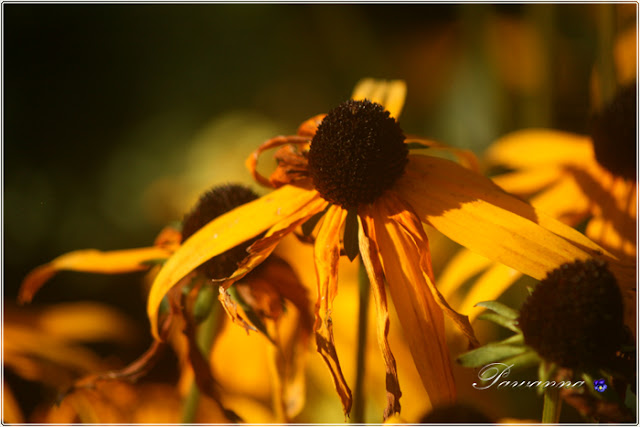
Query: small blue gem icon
(600, 385)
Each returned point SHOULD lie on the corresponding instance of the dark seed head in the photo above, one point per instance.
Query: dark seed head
(574, 316)
(211, 205)
(614, 134)
(357, 153)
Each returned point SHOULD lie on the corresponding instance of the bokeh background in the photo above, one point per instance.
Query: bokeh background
(116, 117)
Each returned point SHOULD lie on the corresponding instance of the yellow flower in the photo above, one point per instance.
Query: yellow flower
(353, 166)
(576, 179)
(261, 294)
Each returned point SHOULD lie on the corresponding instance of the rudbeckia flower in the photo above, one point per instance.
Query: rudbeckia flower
(352, 169)
(571, 327)
(578, 179)
(262, 301)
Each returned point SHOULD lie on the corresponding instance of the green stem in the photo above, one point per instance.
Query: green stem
(358, 404)
(205, 335)
(551, 406)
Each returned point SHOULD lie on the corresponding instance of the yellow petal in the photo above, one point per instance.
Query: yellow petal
(463, 266)
(327, 254)
(474, 212)
(369, 255)
(91, 261)
(421, 318)
(564, 201)
(77, 321)
(533, 147)
(528, 181)
(401, 213)
(390, 94)
(222, 234)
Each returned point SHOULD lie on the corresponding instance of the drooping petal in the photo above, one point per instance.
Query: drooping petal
(252, 161)
(91, 261)
(535, 147)
(466, 157)
(390, 94)
(223, 233)
(420, 316)
(474, 212)
(369, 255)
(327, 254)
(401, 213)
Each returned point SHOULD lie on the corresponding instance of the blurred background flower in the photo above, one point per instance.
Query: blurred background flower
(118, 116)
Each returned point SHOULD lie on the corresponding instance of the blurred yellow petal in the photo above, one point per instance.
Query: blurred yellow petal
(390, 94)
(221, 234)
(564, 201)
(86, 321)
(533, 147)
(369, 255)
(489, 286)
(463, 266)
(11, 412)
(528, 181)
(474, 212)
(625, 56)
(91, 261)
(326, 255)
(421, 317)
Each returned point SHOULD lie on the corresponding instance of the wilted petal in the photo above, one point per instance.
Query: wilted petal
(369, 255)
(327, 254)
(421, 317)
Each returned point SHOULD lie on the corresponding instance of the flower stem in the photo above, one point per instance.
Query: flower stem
(605, 61)
(551, 406)
(206, 333)
(358, 392)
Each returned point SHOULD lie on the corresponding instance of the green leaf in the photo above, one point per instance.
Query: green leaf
(351, 245)
(500, 320)
(513, 339)
(525, 360)
(488, 354)
(499, 308)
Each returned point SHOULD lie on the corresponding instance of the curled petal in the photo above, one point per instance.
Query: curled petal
(91, 261)
(327, 254)
(369, 255)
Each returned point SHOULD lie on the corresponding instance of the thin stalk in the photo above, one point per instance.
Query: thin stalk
(358, 392)
(551, 406)
(205, 335)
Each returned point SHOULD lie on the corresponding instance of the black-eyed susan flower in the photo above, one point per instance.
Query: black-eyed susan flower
(354, 165)
(259, 304)
(571, 326)
(577, 179)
